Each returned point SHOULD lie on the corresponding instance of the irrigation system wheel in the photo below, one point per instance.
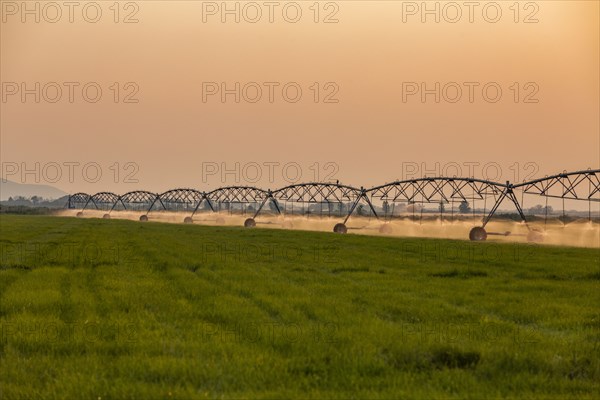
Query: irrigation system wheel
(478, 234)
(340, 228)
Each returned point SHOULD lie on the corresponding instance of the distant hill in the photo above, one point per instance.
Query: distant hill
(14, 189)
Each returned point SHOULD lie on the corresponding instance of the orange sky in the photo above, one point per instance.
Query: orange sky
(370, 133)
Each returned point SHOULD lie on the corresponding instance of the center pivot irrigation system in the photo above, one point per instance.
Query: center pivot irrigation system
(342, 201)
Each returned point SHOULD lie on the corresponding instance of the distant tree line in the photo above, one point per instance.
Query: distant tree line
(35, 201)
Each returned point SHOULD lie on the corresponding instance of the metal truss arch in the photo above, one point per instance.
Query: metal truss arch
(578, 185)
(436, 190)
(103, 200)
(180, 199)
(242, 196)
(78, 199)
(181, 195)
(317, 192)
(324, 193)
(138, 200)
(237, 194)
(138, 197)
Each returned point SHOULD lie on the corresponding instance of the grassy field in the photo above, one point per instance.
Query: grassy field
(111, 309)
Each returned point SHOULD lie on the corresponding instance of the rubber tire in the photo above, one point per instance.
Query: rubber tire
(143, 218)
(188, 220)
(340, 228)
(250, 223)
(478, 234)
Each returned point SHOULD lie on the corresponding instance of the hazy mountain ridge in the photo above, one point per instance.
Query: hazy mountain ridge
(10, 189)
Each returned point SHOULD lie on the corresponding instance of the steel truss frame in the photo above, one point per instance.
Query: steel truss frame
(236, 195)
(132, 200)
(577, 185)
(78, 198)
(568, 185)
(321, 193)
(102, 200)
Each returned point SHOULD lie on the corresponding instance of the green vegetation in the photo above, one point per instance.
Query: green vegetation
(26, 210)
(120, 309)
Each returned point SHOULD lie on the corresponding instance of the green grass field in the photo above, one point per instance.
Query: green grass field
(111, 309)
